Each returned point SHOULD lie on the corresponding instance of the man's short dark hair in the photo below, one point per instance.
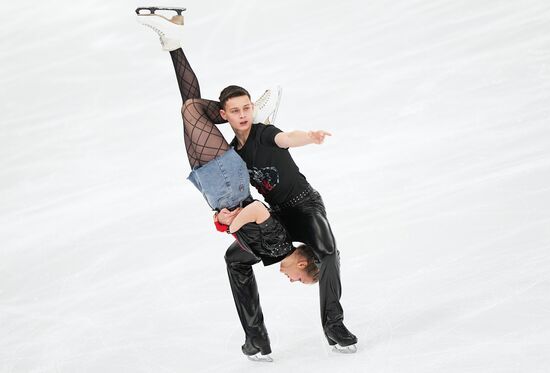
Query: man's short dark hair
(230, 92)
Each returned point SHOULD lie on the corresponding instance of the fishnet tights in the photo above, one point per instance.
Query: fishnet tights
(203, 140)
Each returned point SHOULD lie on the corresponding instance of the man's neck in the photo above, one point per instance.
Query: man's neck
(242, 136)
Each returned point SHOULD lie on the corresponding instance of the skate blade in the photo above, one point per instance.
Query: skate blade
(260, 358)
(345, 350)
(153, 9)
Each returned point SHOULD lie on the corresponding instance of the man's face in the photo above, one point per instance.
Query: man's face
(295, 272)
(238, 111)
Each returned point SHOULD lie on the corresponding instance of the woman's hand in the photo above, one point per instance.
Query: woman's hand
(226, 217)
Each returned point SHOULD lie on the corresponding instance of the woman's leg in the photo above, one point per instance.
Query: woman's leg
(187, 80)
(203, 140)
(217, 171)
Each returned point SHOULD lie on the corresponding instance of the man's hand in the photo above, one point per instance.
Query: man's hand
(318, 137)
(226, 217)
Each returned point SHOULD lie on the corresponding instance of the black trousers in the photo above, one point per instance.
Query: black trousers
(245, 290)
(306, 222)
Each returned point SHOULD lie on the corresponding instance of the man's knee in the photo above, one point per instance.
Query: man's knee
(325, 245)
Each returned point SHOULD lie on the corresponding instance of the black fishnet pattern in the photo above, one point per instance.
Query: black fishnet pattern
(203, 140)
(187, 80)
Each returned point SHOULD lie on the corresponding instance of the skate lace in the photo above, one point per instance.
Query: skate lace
(262, 101)
(155, 29)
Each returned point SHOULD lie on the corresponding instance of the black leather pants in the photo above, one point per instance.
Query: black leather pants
(307, 222)
(245, 294)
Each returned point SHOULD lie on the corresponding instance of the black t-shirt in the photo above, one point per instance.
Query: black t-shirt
(272, 169)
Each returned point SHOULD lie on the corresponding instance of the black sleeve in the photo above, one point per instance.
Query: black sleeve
(267, 136)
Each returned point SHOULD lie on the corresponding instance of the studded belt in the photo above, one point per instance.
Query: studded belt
(294, 200)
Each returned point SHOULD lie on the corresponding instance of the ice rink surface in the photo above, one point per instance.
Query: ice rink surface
(436, 182)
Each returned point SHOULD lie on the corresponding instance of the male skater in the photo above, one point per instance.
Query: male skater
(293, 201)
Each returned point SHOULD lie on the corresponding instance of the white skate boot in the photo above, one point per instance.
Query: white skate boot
(170, 30)
(265, 108)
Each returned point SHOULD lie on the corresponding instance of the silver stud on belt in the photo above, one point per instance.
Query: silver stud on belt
(294, 200)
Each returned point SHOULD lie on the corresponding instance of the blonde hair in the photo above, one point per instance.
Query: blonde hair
(311, 269)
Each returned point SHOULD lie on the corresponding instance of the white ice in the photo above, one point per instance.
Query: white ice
(436, 181)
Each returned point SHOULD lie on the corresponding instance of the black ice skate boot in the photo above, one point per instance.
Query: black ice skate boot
(253, 345)
(341, 338)
(257, 348)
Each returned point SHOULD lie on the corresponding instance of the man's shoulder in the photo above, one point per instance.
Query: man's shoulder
(259, 127)
(265, 134)
(256, 129)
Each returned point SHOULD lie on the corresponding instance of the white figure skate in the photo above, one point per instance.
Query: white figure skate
(170, 30)
(266, 107)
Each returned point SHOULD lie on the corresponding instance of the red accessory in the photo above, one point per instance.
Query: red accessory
(219, 226)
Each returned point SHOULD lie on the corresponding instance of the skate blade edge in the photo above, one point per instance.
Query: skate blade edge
(351, 349)
(260, 358)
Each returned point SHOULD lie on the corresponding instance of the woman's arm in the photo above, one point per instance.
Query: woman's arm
(300, 138)
(256, 212)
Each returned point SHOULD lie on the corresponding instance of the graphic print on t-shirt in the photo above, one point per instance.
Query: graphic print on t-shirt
(264, 179)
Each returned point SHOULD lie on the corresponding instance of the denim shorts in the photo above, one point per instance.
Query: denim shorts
(224, 181)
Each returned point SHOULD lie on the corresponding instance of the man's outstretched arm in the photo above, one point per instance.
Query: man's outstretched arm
(300, 138)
